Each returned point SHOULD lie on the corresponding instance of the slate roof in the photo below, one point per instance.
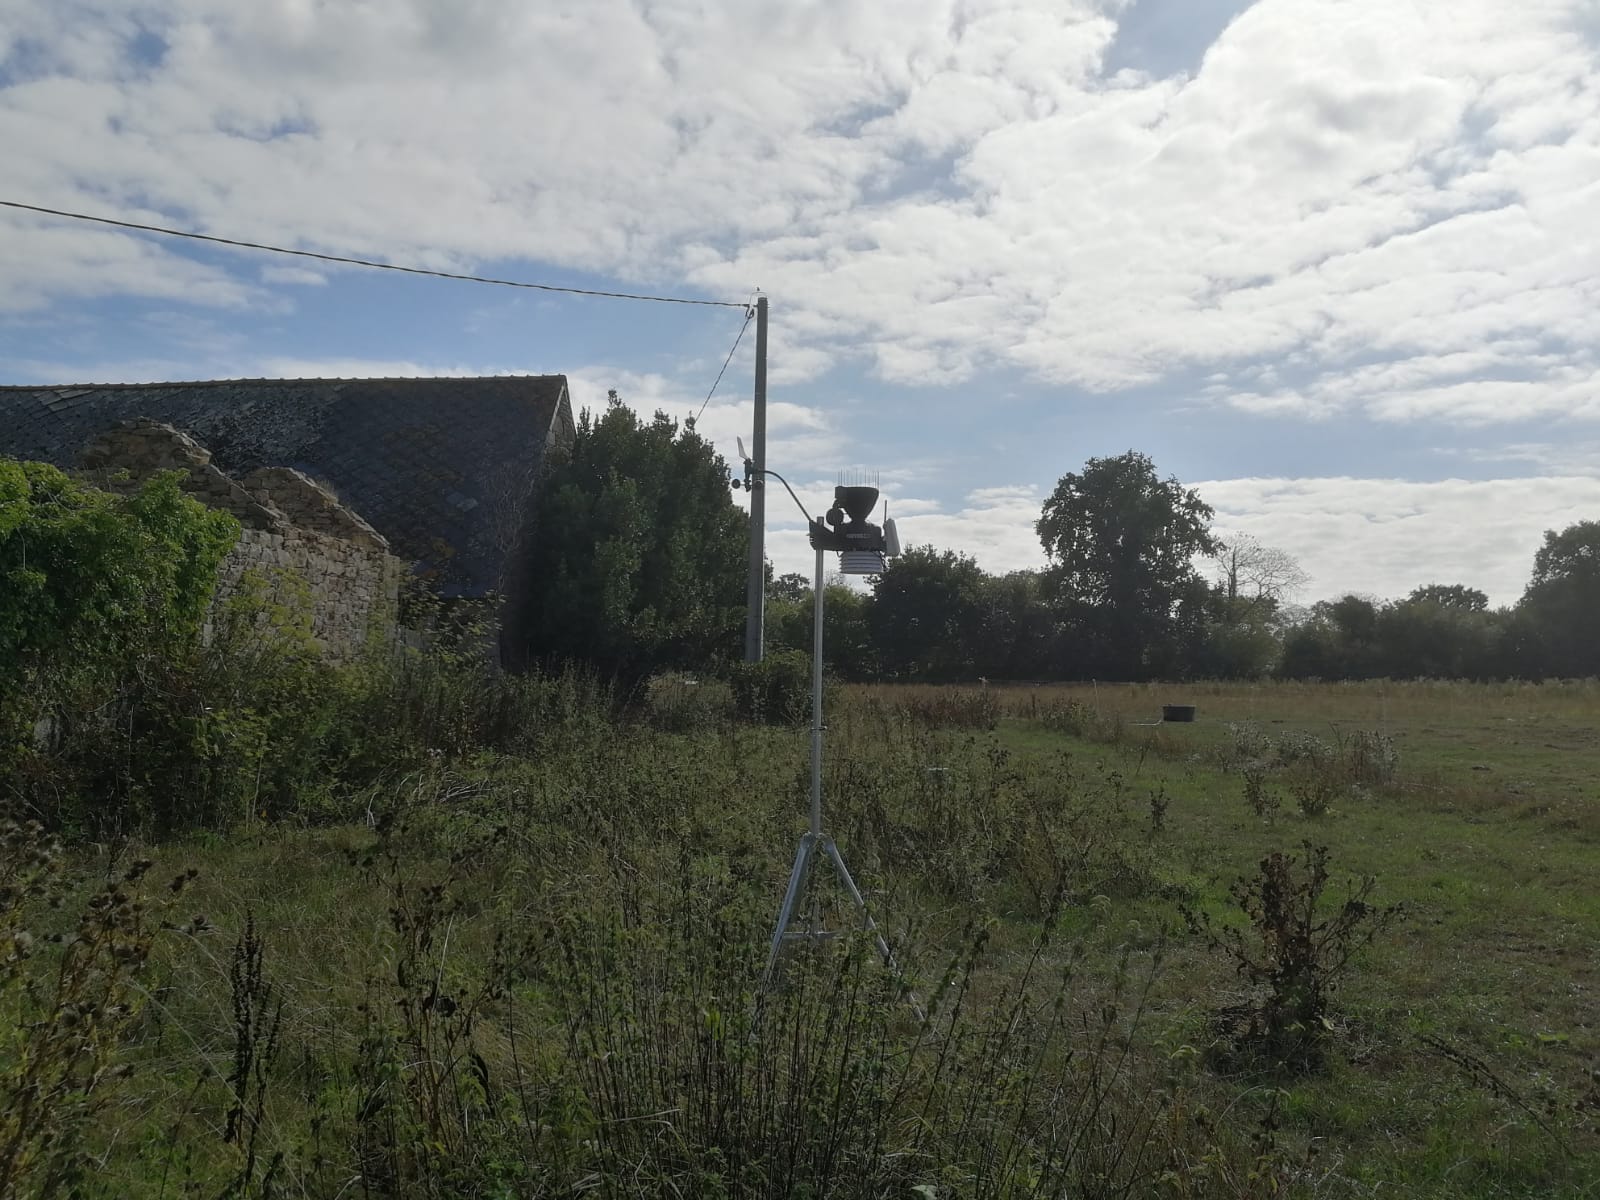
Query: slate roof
(429, 463)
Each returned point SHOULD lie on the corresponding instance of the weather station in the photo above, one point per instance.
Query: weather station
(863, 549)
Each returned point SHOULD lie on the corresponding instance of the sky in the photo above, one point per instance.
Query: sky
(1333, 263)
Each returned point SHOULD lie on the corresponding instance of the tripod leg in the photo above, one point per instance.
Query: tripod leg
(791, 897)
(855, 894)
(872, 926)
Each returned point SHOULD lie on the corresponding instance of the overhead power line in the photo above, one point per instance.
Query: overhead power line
(749, 312)
(365, 262)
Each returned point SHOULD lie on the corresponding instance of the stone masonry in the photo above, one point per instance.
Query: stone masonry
(296, 537)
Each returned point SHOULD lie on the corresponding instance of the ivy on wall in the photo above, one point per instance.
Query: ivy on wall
(91, 581)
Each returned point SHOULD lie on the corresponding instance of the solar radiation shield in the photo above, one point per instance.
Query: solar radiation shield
(862, 562)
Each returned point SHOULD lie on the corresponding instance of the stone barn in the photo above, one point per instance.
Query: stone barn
(289, 525)
(437, 473)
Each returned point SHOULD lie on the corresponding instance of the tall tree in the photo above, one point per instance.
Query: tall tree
(927, 615)
(638, 551)
(847, 647)
(1563, 599)
(1456, 596)
(1018, 638)
(1440, 631)
(792, 586)
(1122, 544)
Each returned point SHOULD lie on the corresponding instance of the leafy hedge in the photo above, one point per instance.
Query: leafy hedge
(774, 691)
(97, 576)
(115, 714)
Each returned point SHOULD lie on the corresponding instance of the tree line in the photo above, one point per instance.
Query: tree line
(637, 562)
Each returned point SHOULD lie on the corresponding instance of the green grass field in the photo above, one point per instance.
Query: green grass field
(1541, 741)
(518, 976)
(1488, 837)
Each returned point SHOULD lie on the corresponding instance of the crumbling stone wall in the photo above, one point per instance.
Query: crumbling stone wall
(296, 537)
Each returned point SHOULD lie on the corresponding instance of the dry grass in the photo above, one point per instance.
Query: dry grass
(1536, 744)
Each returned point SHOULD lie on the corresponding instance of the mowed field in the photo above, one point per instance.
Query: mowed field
(1030, 851)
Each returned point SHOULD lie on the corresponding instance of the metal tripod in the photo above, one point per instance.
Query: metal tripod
(815, 841)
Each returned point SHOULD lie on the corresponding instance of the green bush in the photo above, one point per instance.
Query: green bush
(100, 594)
(686, 703)
(257, 723)
(184, 735)
(1293, 952)
(1077, 719)
(97, 578)
(1249, 743)
(1371, 757)
(774, 691)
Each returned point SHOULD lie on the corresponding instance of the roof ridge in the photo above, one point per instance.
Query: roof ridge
(184, 383)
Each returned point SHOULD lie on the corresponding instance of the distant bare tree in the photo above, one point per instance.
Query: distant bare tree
(1254, 575)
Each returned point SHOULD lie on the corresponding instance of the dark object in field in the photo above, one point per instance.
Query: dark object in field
(1177, 712)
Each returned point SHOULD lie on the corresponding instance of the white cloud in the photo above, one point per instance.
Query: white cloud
(40, 257)
(1432, 387)
(800, 437)
(219, 357)
(1380, 537)
(284, 367)
(901, 507)
(1359, 209)
(1335, 182)
(1316, 190)
(994, 526)
(1543, 458)
(1386, 536)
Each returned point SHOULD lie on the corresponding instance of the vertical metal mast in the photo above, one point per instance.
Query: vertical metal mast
(756, 585)
(863, 549)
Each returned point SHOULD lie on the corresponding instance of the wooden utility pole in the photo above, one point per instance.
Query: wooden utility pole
(756, 585)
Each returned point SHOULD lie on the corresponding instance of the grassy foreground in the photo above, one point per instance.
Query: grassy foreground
(523, 975)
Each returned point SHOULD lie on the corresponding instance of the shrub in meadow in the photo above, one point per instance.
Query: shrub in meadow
(1292, 952)
(774, 691)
